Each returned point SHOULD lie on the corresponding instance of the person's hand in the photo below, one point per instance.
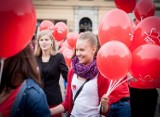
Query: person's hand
(104, 100)
(104, 103)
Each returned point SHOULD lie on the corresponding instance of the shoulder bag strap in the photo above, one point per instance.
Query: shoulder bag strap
(80, 89)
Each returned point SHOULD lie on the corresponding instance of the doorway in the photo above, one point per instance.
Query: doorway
(85, 24)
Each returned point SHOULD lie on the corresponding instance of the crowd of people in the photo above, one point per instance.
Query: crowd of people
(30, 71)
(30, 84)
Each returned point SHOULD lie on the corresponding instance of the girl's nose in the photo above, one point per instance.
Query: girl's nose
(78, 53)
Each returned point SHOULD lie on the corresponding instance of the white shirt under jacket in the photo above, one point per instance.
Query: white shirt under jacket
(87, 102)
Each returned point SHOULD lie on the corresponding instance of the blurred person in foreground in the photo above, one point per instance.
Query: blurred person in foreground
(21, 94)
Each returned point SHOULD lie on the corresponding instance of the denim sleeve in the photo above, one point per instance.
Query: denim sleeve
(36, 103)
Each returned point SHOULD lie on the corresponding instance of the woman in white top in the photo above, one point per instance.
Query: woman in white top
(84, 70)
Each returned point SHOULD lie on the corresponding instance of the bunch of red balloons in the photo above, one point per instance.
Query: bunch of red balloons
(128, 48)
(59, 30)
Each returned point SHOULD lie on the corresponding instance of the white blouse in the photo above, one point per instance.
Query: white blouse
(87, 102)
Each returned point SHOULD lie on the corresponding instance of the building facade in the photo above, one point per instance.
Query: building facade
(79, 15)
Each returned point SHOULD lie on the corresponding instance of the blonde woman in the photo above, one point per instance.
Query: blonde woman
(86, 86)
(51, 65)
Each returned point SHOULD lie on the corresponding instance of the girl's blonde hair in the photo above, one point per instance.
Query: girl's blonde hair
(92, 40)
(38, 51)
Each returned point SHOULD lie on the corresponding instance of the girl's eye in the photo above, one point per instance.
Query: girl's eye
(82, 50)
(41, 40)
(46, 39)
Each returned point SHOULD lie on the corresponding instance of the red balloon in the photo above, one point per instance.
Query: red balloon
(62, 49)
(147, 31)
(144, 8)
(17, 26)
(46, 25)
(60, 31)
(146, 63)
(125, 5)
(112, 28)
(67, 53)
(114, 60)
(72, 39)
(65, 44)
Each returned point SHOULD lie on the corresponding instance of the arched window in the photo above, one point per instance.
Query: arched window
(85, 24)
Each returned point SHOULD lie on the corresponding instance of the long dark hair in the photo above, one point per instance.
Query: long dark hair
(18, 68)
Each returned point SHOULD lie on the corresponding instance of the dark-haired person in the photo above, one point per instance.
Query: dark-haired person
(21, 93)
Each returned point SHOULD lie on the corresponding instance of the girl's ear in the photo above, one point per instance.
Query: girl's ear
(52, 42)
(94, 49)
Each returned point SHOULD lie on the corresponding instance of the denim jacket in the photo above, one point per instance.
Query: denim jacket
(30, 101)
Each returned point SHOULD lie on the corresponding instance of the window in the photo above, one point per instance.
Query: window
(85, 24)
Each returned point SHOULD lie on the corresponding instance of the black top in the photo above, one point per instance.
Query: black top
(50, 73)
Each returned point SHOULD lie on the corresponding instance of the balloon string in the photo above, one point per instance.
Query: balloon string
(114, 82)
(1, 70)
(114, 85)
(117, 82)
(120, 83)
(110, 84)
